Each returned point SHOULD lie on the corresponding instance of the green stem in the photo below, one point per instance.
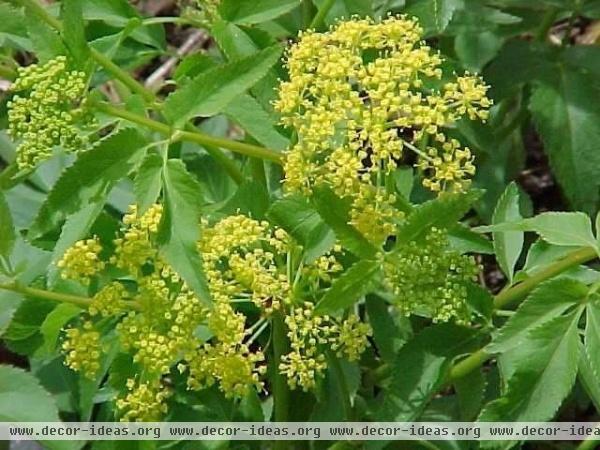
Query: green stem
(518, 292)
(321, 14)
(547, 22)
(281, 393)
(123, 76)
(84, 302)
(191, 136)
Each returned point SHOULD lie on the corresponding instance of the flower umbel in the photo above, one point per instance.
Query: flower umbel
(46, 110)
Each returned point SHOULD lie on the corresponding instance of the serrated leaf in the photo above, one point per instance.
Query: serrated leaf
(354, 283)
(434, 15)
(251, 198)
(568, 124)
(545, 367)
(335, 212)
(420, 369)
(46, 42)
(178, 232)
(94, 173)
(470, 391)
(73, 30)
(210, 92)
(508, 244)
(7, 229)
(443, 213)
(13, 28)
(250, 12)
(546, 302)
(295, 215)
(589, 378)
(390, 332)
(252, 117)
(465, 240)
(148, 181)
(476, 49)
(592, 335)
(22, 398)
(557, 228)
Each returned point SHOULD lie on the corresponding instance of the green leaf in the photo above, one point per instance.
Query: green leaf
(589, 378)
(390, 332)
(545, 368)
(443, 213)
(420, 370)
(250, 12)
(251, 198)
(434, 15)
(546, 302)
(13, 27)
(251, 116)
(53, 325)
(148, 181)
(93, 174)
(568, 123)
(508, 244)
(476, 49)
(73, 30)
(22, 398)
(465, 240)
(47, 43)
(295, 215)
(178, 232)
(592, 334)
(558, 228)
(470, 391)
(335, 212)
(7, 229)
(210, 92)
(354, 283)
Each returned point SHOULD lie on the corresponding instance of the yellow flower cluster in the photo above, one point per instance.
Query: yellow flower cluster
(311, 335)
(83, 349)
(82, 261)
(46, 110)
(144, 402)
(357, 96)
(240, 262)
(430, 279)
(109, 301)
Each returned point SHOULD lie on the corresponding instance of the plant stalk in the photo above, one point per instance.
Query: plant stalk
(518, 292)
(192, 136)
(281, 392)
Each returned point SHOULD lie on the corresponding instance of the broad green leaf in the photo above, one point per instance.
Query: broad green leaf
(46, 42)
(251, 199)
(9, 303)
(346, 9)
(592, 334)
(335, 212)
(148, 181)
(568, 123)
(210, 92)
(22, 398)
(13, 27)
(179, 227)
(470, 391)
(589, 378)
(121, 13)
(476, 49)
(420, 369)
(53, 325)
(7, 229)
(28, 318)
(545, 367)
(546, 302)
(557, 228)
(252, 117)
(434, 15)
(251, 12)
(443, 212)
(465, 240)
(73, 31)
(390, 332)
(508, 244)
(354, 283)
(93, 174)
(295, 215)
